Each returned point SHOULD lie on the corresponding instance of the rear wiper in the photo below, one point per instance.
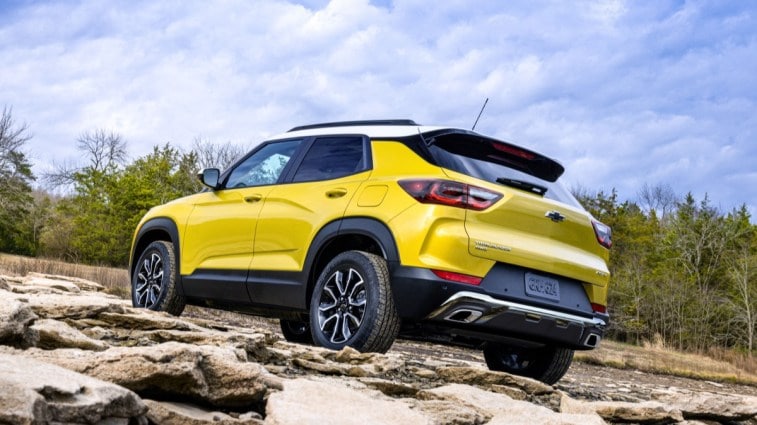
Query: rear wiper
(523, 185)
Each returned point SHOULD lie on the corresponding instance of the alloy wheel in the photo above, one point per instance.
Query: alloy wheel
(149, 280)
(341, 307)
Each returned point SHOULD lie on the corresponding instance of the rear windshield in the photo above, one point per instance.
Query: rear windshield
(463, 161)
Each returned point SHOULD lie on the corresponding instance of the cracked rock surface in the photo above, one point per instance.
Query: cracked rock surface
(70, 353)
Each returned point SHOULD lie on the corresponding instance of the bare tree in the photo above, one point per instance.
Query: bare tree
(742, 268)
(103, 148)
(15, 169)
(211, 154)
(61, 175)
(661, 198)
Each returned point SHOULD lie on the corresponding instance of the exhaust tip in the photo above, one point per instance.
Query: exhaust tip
(463, 315)
(592, 340)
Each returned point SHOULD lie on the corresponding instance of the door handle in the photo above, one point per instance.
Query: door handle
(253, 198)
(336, 193)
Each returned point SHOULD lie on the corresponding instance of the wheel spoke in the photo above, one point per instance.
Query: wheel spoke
(346, 331)
(336, 329)
(325, 305)
(339, 281)
(352, 318)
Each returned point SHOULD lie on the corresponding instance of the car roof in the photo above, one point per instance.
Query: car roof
(373, 129)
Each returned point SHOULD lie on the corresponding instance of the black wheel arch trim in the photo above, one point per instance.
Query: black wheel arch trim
(363, 226)
(162, 224)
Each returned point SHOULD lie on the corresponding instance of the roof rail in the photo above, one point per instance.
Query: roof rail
(353, 124)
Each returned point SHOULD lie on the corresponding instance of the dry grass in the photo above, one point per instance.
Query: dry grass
(655, 358)
(719, 365)
(115, 280)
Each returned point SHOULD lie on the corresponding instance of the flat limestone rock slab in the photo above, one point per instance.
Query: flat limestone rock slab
(36, 392)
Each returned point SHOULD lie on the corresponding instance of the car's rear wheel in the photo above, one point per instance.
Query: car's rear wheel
(547, 364)
(352, 304)
(296, 331)
(153, 284)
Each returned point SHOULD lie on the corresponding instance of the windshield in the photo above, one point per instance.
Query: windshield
(492, 172)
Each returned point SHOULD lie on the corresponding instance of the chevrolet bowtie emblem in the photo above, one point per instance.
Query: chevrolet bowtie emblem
(555, 216)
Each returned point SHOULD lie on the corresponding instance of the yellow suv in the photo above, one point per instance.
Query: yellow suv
(355, 233)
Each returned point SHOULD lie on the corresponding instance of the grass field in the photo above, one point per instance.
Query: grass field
(718, 365)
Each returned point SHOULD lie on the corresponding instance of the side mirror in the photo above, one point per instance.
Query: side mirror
(209, 177)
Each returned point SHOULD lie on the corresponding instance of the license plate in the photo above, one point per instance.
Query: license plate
(542, 287)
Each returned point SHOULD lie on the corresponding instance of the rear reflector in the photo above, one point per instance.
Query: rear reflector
(450, 193)
(599, 308)
(458, 277)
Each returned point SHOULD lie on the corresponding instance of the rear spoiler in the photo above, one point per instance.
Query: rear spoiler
(488, 149)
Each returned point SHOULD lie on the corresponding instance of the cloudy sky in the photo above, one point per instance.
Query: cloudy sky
(621, 92)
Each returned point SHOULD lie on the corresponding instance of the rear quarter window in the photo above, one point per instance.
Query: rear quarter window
(331, 158)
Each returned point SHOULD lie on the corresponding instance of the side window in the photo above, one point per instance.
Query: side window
(331, 158)
(264, 166)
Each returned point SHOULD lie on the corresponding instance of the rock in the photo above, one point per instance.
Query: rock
(83, 284)
(501, 409)
(35, 392)
(15, 319)
(210, 371)
(141, 319)
(212, 375)
(616, 411)
(305, 402)
(55, 334)
(41, 281)
(75, 307)
(390, 388)
(171, 413)
(709, 406)
(449, 413)
(483, 377)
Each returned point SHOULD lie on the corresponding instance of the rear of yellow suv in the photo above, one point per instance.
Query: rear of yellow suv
(355, 233)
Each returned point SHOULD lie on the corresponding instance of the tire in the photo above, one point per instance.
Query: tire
(296, 331)
(547, 364)
(352, 304)
(154, 283)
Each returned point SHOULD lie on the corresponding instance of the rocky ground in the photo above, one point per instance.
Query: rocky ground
(71, 354)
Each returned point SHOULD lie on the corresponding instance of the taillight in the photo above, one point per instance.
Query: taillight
(604, 234)
(458, 277)
(450, 193)
(599, 308)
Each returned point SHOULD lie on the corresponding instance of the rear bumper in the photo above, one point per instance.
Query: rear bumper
(495, 310)
(483, 311)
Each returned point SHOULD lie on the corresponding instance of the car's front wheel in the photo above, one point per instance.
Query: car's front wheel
(352, 304)
(153, 284)
(547, 364)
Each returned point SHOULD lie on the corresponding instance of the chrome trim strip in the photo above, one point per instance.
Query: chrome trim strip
(522, 308)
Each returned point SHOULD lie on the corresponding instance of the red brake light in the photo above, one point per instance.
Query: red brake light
(512, 150)
(599, 308)
(458, 277)
(604, 234)
(450, 193)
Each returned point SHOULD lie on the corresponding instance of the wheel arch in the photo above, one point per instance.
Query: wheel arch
(156, 229)
(352, 233)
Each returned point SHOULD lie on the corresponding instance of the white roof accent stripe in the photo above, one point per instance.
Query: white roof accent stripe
(372, 131)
